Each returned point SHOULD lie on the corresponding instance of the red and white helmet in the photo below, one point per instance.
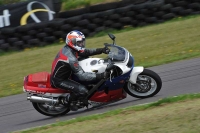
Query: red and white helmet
(76, 40)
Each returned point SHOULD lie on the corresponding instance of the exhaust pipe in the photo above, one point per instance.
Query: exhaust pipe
(38, 99)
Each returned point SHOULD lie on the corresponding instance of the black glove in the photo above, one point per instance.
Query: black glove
(104, 50)
(103, 75)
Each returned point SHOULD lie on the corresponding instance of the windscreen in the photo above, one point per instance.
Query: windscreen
(116, 53)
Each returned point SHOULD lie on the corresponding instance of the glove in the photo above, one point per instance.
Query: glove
(104, 50)
(103, 75)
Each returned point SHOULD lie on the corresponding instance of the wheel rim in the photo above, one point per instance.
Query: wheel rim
(147, 82)
(52, 109)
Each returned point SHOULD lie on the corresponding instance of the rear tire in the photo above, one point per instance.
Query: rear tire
(45, 109)
(149, 80)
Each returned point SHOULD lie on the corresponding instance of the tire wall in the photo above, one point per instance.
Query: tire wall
(93, 19)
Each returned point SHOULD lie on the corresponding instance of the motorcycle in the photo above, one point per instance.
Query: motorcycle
(124, 78)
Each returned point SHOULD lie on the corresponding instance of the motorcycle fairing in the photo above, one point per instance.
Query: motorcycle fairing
(115, 83)
(93, 64)
(102, 96)
(111, 90)
(39, 83)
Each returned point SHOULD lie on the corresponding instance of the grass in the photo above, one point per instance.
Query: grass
(151, 45)
(74, 4)
(3, 2)
(174, 115)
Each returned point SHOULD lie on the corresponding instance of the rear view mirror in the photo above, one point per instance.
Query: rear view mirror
(112, 37)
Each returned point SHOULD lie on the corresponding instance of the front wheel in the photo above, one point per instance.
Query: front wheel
(51, 110)
(148, 84)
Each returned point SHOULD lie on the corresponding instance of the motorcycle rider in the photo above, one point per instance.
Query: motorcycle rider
(66, 63)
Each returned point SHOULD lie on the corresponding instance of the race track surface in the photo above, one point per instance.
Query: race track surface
(182, 77)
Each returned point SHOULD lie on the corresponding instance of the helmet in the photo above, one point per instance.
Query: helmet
(76, 40)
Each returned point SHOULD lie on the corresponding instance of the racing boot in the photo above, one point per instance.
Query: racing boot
(84, 101)
(72, 102)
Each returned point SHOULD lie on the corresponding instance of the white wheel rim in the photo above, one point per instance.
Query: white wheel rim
(131, 87)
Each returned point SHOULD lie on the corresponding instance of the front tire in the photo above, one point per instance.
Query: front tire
(49, 110)
(147, 85)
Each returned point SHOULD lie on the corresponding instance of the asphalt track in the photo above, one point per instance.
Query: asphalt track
(181, 77)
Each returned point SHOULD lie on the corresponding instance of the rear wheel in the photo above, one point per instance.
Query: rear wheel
(51, 110)
(148, 84)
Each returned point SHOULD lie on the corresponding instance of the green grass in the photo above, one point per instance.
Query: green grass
(74, 4)
(178, 114)
(151, 45)
(3, 2)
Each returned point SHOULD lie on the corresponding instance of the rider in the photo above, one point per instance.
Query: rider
(66, 63)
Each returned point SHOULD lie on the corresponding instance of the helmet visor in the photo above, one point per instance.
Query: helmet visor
(81, 43)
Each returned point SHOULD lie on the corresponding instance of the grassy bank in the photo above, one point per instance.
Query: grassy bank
(4, 2)
(151, 45)
(170, 115)
(74, 4)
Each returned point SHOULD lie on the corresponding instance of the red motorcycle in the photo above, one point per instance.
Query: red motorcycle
(124, 78)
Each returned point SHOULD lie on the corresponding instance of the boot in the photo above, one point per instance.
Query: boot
(72, 102)
(84, 101)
